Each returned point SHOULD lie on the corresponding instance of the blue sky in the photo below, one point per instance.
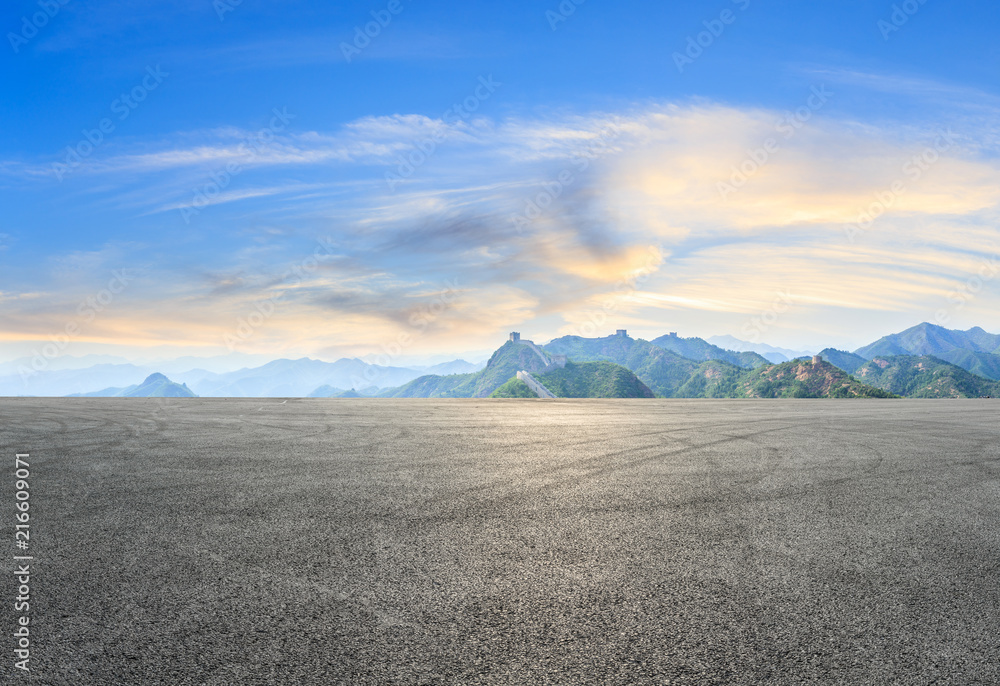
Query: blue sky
(205, 177)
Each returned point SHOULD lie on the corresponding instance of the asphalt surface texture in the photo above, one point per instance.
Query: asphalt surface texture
(216, 541)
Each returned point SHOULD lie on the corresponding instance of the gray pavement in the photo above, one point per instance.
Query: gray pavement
(212, 541)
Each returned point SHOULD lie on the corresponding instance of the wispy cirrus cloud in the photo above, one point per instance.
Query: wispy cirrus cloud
(955, 95)
(235, 195)
(596, 215)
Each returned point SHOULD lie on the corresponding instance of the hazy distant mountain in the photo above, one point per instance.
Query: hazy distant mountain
(434, 386)
(702, 351)
(277, 378)
(193, 377)
(842, 360)
(771, 352)
(42, 382)
(61, 363)
(931, 339)
(299, 378)
(216, 364)
(454, 367)
(328, 391)
(64, 382)
(155, 386)
(924, 377)
(776, 358)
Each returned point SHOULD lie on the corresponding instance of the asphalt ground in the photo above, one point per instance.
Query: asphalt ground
(216, 541)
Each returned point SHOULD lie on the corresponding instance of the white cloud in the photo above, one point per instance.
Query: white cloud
(646, 178)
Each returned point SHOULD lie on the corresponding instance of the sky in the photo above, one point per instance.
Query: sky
(411, 179)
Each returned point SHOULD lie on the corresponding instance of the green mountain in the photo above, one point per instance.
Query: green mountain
(924, 376)
(328, 391)
(661, 370)
(155, 386)
(515, 388)
(434, 386)
(671, 376)
(981, 364)
(987, 342)
(594, 380)
(505, 363)
(973, 350)
(581, 380)
(713, 379)
(804, 379)
(651, 364)
(930, 339)
(610, 348)
(843, 360)
(701, 350)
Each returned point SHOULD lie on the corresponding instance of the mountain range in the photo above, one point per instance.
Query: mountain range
(772, 353)
(671, 376)
(277, 378)
(924, 361)
(154, 386)
(924, 376)
(625, 367)
(974, 350)
(674, 367)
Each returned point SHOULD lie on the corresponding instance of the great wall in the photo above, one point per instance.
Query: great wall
(552, 362)
(532, 383)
